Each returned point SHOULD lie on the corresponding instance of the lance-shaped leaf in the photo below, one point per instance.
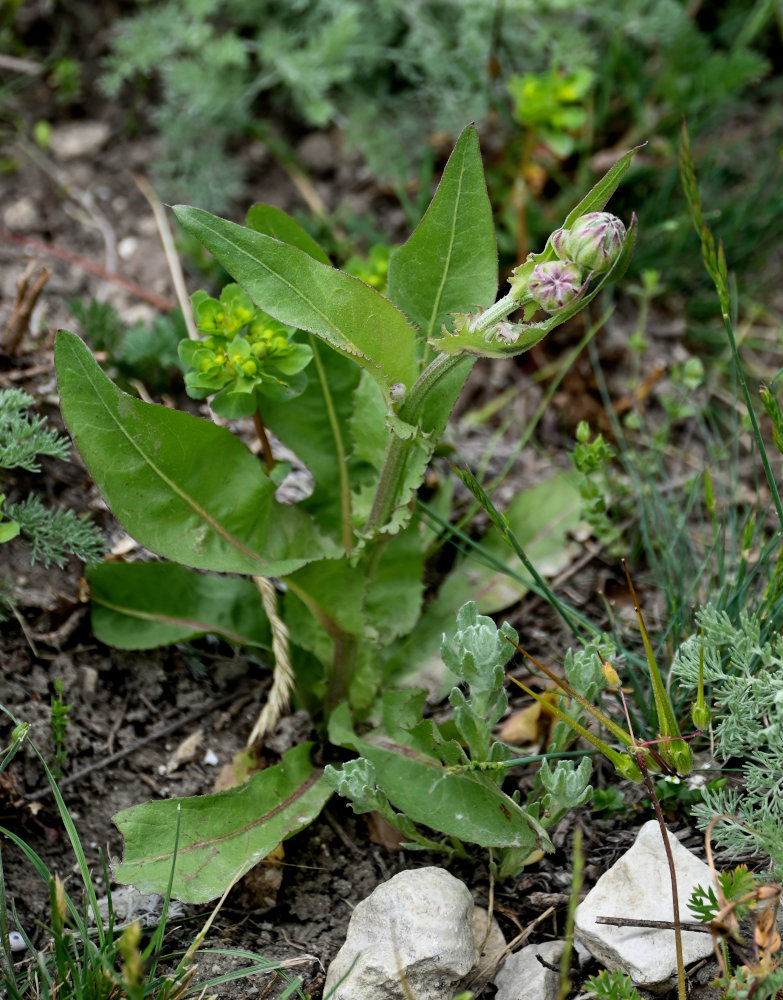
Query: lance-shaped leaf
(143, 605)
(673, 749)
(317, 427)
(295, 288)
(279, 225)
(460, 803)
(221, 836)
(182, 486)
(449, 263)
(597, 197)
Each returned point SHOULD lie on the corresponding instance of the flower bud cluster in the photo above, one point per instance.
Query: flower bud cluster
(593, 242)
(590, 246)
(244, 353)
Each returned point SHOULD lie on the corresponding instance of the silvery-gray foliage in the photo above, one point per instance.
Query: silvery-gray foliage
(745, 677)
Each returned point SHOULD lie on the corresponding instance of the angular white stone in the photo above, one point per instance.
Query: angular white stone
(523, 977)
(416, 928)
(639, 886)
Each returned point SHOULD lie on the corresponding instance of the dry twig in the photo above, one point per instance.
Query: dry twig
(27, 295)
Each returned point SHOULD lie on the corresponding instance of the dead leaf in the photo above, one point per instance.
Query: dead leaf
(261, 884)
(380, 831)
(532, 725)
(765, 933)
(186, 752)
(237, 771)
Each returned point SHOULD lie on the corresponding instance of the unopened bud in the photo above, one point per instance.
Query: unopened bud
(555, 284)
(593, 242)
(57, 893)
(700, 714)
(610, 674)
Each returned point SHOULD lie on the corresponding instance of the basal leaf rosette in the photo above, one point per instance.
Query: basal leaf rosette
(246, 355)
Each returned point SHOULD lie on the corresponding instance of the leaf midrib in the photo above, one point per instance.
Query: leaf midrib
(204, 514)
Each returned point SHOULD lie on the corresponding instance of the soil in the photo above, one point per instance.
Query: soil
(83, 201)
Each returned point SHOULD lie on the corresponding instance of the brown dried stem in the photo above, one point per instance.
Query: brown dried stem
(27, 295)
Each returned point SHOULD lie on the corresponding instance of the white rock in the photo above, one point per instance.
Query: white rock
(639, 886)
(77, 139)
(21, 215)
(128, 904)
(127, 247)
(523, 977)
(490, 942)
(16, 941)
(414, 933)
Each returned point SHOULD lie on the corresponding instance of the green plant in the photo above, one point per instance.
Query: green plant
(52, 535)
(743, 673)
(740, 896)
(86, 954)
(144, 351)
(611, 986)
(404, 764)
(591, 76)
(66, 80)
(550, 108)
(324, 59)
(592, 459)
(703, 536)
(58, 723)
(384, 377)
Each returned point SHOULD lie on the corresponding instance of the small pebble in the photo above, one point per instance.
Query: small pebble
(16, 941)
(88, 679)
(127, 247)
(77, 139)
(316, 152)
(21, 215)
(211, 758)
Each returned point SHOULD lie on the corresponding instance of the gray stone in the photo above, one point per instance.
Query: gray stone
(413, 933)
(316, 152)
(21, 216)
(78, 139)
(639, 886)
(523, 977)
(490, 943)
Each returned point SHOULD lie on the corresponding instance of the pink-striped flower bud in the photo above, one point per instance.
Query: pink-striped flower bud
(555, 284)
(593, 242)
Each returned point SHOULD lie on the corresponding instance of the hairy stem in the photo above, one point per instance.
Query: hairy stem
(398, 450)
(345, 652)
(269, 458)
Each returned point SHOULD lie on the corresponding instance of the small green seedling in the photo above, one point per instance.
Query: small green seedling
(58, 723)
